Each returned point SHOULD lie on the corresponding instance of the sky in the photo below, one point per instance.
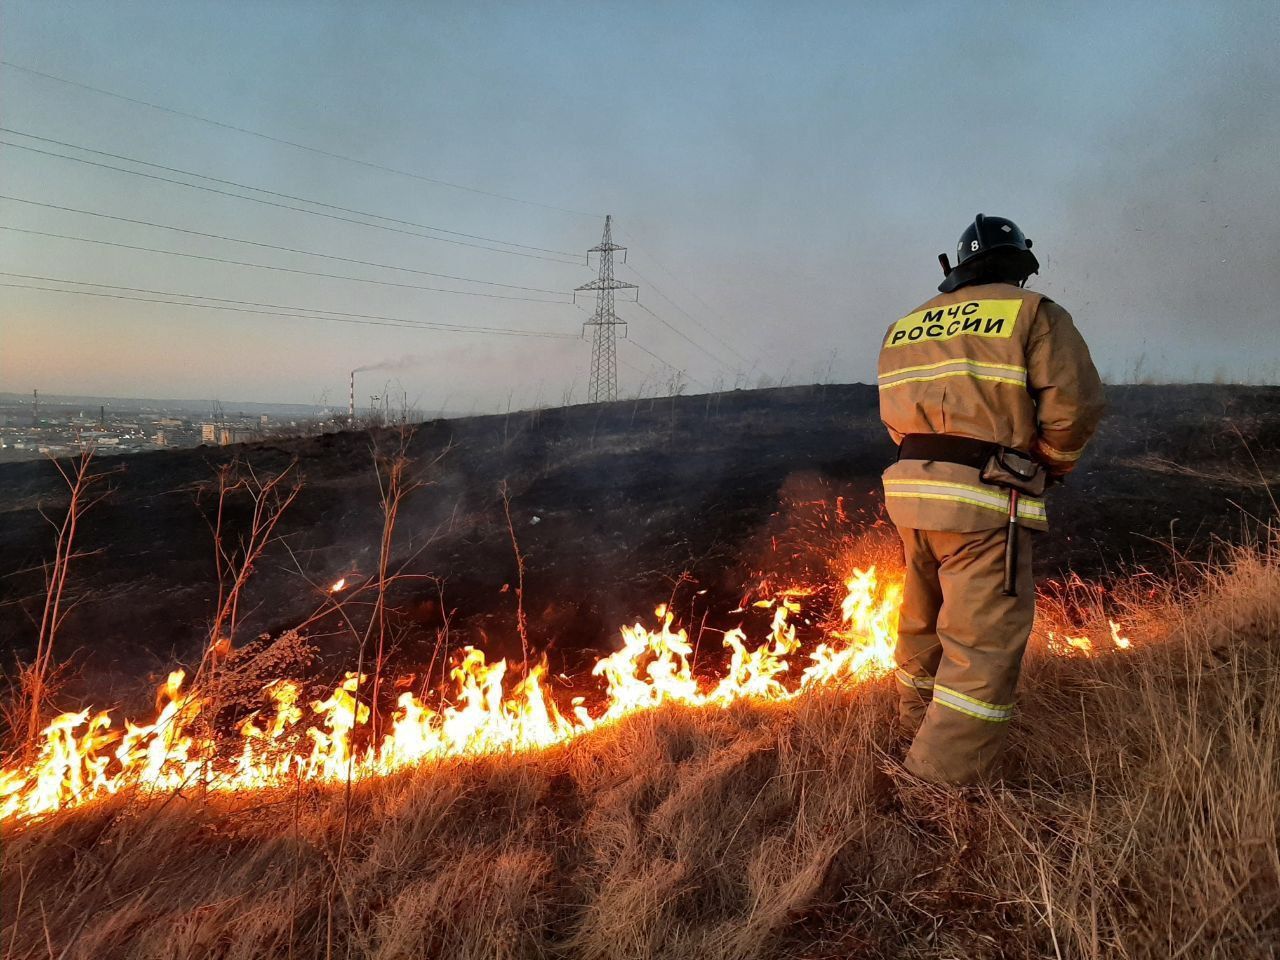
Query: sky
(783, 175)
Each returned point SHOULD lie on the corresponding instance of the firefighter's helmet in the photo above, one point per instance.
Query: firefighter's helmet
(990, 233)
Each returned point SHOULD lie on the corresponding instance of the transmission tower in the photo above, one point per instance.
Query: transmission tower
(604, 340)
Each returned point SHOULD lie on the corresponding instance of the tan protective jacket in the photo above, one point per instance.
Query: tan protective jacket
(991, 361)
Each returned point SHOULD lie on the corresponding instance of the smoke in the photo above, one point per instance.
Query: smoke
(402, 363)
(1170, 230)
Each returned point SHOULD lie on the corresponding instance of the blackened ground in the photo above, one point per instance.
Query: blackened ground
(615, 507)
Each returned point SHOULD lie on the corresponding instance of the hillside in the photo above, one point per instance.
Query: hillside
(1138, 816)
(610, 505)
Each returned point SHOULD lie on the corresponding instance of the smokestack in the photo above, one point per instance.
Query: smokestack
(351, 402)
(35, 408)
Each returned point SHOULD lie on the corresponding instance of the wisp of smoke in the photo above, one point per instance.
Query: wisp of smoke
(402, 363)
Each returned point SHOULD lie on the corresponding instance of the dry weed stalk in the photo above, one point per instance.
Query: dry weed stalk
(271, 495)
(394, 484)
(34, 678)
(522, 623)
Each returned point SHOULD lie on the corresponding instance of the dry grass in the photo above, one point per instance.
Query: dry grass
(1139, 819)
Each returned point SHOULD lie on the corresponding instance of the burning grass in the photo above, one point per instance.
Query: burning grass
(1139, 818)
(83, 759)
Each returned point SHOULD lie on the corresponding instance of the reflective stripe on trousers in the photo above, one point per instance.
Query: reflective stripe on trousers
(910, 680)
(972, 706)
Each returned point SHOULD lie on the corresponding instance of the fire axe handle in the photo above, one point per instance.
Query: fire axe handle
(1011, 548)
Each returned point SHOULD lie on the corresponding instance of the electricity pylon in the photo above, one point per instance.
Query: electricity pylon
(604, 342)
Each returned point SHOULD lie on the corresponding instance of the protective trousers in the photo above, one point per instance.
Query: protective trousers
(960, 646)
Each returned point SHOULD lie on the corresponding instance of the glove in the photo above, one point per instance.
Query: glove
(1056, 468)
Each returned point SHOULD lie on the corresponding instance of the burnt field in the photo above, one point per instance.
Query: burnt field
(718, 808)
(614, 508)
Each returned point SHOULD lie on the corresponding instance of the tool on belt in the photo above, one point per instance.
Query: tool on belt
(1000, 466)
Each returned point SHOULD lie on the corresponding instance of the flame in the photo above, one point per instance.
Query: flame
(1067, 645)
(1122, 643)
(82, 758)
(338, 585)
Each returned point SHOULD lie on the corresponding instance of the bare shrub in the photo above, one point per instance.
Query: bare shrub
(234, 563)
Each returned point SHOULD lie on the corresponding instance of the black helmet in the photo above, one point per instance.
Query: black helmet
(991, 248)
(990, 233)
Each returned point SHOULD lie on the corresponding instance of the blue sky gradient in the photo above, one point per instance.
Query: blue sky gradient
(785, 175)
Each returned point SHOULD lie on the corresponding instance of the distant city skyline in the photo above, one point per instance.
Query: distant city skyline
(189, 404)
(783, 177)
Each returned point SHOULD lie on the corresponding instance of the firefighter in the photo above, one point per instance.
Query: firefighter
(989, 391)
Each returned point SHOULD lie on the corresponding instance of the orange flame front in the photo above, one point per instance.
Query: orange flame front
(82, 758)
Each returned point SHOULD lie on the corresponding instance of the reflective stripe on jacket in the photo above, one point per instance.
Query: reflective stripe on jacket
(991, 361)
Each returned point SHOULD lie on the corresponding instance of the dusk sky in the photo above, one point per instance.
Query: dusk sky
(784, 175)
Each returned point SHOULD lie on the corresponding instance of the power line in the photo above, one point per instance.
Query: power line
(309, 310)
(674, 329)
(283, 206)
(274, 267)
(632, 367)
(276, 193)
(273, 246)
(646, 252)
(639, 346)
(291, 143)
(680, 333)
(669, 366)
(398, 324)
(276, 310)
(715, 336)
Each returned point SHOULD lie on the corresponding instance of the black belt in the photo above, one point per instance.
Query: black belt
(947, 448)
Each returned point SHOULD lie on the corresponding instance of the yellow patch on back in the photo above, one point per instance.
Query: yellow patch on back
(976, 318)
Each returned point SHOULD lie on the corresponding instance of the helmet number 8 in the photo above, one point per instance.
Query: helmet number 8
(973, 245)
